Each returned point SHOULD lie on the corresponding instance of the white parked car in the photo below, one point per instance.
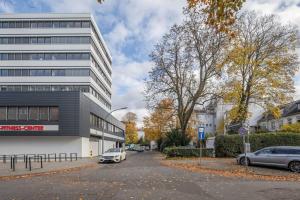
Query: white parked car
(113, 155)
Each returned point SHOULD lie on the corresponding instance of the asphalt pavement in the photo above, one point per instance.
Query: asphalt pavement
(140, 177)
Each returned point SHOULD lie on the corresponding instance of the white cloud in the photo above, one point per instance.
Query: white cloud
(6, 6)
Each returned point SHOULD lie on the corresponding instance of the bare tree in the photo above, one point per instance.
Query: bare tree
(186, 66)
(129, 117)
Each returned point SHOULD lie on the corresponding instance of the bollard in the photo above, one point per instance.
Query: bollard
(65, 157)
(26, 161)
(55, 157)
(14, 165)
(29, 164)
(76, 156)
(11, 162)
(4, 158)
(71, 156)
(41, 162)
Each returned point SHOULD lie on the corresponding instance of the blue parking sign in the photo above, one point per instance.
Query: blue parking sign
(201, 133)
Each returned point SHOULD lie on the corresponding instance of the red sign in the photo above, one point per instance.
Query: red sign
(21, 128)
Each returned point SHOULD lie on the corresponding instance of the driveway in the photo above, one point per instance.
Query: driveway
(142, 176)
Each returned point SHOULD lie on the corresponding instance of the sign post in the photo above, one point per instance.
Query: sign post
(201, 137)
(243, 132)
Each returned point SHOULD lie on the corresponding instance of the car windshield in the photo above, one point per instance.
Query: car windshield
(113, 150)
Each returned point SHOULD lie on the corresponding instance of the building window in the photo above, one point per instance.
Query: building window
(54, 113)
(12, 113)
(23, 113)
(44, 113)
(280, 123)
(3, 113)
(273, 125)
(45, 56)
(33, 113)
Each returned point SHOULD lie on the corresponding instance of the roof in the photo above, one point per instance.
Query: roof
(26, 16)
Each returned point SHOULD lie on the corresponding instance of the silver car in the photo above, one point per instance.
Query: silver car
(279, 156)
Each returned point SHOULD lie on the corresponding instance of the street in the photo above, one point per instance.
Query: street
(142, 176)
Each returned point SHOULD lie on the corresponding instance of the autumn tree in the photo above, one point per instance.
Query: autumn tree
(221, 14)
(260, 66)
(161, 120)
(131, 133)
(186, 66)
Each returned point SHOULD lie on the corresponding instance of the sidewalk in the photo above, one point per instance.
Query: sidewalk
(228, 167)
(48, 167)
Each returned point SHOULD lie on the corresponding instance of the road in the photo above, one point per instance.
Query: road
(142, 177)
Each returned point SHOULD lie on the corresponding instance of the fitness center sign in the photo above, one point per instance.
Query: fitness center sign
(28, 127)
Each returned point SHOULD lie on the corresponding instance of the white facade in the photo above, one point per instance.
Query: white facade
(26, 40)
(207, 120)
(48, 145)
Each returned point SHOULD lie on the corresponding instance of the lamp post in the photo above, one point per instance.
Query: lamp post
(105, 121)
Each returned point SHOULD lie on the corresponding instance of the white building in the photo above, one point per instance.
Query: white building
(55, 86)
(215, 114)
(290, 114)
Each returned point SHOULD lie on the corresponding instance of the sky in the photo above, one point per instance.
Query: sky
(132, 27)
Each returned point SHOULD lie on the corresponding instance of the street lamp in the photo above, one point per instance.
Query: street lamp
(124, 108)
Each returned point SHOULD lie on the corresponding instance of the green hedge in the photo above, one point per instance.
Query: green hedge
(187, 152)
(232, 145)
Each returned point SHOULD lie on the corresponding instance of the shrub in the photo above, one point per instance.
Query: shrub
(174, 138)
(232, 145)
(294, 128)
(187, 152)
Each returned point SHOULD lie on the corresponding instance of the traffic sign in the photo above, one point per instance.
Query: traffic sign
(201, 133)
(243, 131)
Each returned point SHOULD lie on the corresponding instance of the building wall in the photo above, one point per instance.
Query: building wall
(207, 121)
(84, 147)
(44, 145)
(99, 52)
(68, 103)
(276, 124)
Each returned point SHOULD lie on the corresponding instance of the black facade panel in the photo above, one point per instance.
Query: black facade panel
(88, 106)
(68, 103)
(74, 113)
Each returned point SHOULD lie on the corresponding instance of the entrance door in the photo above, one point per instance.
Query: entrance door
(94, 147)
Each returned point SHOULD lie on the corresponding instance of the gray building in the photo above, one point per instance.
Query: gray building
(55, 86)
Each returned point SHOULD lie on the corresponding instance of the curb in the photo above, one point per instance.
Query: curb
(46, 173)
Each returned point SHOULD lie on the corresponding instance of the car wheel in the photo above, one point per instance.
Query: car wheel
(294, 166)
(243, 161)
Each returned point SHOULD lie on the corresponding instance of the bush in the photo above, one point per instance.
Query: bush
(187, 152)
(294, 128)
(232, 145)
(174, 138)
